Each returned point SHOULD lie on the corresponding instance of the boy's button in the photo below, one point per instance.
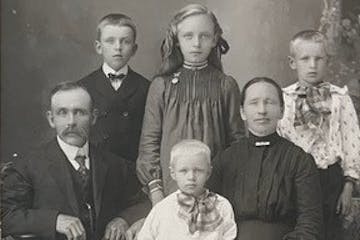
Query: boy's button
(125, 114)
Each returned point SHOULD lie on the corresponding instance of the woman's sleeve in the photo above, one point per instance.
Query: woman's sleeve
(234, 124)
(214, 183)
(148, 162)
(309, 222)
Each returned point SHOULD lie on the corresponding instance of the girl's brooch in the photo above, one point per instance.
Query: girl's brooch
(175, 80)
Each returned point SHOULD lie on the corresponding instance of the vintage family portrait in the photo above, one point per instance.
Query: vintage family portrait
(180, 120)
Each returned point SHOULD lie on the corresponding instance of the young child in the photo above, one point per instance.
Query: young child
(320, 118)
(190, 98)
(192, 212)
(118, 92)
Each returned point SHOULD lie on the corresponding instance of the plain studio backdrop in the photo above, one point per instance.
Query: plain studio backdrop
(45, 42)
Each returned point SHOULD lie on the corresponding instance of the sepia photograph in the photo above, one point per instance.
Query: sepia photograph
(180, 120)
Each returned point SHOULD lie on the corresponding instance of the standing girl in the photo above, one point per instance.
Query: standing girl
(191, 97)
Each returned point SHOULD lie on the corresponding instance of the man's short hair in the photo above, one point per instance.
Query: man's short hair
(67, 86)
(189, 147)
(307, 35)
(115, 19)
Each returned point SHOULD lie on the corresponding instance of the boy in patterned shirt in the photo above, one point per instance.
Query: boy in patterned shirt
(321, 118)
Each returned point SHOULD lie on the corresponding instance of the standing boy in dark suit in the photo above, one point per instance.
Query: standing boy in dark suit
(68, 187)
(118, 92)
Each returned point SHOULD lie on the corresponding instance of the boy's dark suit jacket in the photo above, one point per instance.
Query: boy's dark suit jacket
(121, 112)
(40, 186)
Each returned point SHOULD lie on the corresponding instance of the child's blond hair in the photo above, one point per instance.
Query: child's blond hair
(307, 35)
(189, 147)
(171, 54)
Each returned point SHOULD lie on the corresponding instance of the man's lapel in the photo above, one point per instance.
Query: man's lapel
(59, 169)
(99, 170)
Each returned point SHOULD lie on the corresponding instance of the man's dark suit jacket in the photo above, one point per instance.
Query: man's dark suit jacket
(121, 112)
(39, 187)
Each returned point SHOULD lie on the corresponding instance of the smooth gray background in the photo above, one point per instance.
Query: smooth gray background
(44, 42)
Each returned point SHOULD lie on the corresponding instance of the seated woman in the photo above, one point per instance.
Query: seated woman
(272, 184)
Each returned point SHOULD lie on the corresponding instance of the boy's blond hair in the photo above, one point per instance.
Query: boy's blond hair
(189, 147)
(307, 35)
(115, 19)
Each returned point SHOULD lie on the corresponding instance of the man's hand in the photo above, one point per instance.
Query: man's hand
(344, 203)
(156, 197)
(116, 229)
(131, 233)
(70, 226)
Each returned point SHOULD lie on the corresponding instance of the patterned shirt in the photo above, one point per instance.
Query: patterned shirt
(164, 223)
(337, 139)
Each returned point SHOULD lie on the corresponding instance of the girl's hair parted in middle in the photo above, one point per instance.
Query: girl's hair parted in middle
(171, 55)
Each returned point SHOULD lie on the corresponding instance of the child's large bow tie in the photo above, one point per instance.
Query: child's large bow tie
(199, 213)
(312, 104)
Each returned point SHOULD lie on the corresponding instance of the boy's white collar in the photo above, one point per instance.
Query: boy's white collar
(107, 69)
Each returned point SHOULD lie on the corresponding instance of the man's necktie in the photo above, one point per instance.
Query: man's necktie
(84, 174)
(82, 170)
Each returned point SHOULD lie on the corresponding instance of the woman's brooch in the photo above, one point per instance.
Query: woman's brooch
(175, 80)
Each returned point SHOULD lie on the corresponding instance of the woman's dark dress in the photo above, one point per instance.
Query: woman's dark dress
(273, 186)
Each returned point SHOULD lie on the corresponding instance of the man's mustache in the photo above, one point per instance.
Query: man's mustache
(76, 131)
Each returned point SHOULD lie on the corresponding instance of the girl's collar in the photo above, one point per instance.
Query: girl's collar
(195, 66)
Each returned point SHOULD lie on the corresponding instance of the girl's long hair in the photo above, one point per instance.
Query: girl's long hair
(171, 55)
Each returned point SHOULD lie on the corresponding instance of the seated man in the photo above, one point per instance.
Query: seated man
(67, 188)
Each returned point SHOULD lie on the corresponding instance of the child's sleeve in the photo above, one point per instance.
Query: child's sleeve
(285, 126)
(350, 132)
(148, 230)
(230, 228)
(234, 124)
(148, 163)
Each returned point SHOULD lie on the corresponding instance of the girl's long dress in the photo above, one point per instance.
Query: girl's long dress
(190, 104)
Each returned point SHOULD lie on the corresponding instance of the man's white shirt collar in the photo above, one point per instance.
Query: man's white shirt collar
(71, 151)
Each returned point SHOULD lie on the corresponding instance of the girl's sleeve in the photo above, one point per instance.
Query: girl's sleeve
(148, 162)
(230, 228)
(350, 132)
(234, 124)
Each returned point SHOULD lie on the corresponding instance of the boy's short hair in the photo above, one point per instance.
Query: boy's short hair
(115, 19)
(189, 147)
(307, 35)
